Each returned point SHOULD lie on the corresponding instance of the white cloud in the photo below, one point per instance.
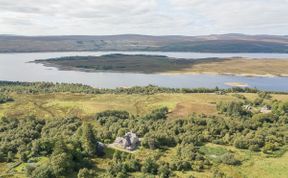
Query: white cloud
(243, 15)
(158, 17)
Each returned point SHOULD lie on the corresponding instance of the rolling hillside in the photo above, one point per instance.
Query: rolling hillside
(210, 43)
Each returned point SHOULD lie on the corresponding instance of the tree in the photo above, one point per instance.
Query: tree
(254, 148)
(164, 171)
(150, 142)
(60, 147)
(241, 143)
(187, 152)
(43, 171)
(269, 147)
(284, 108)
(61, 159)
(88, 140)
(10, 156)
(42, 146)
(150, 166)
(232, 109)
(134, 165)
(263, 117)
(280, 108)
(23, 156)
(61, 164)
(117, 156)
(157, 114)
(86, 173)
(2, 156)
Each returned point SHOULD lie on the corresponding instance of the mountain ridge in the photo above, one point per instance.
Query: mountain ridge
(232, 42)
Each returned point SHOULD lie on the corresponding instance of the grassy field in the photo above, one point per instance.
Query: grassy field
(253, 164)
(84, 105)
(241, 66)
(163, 64)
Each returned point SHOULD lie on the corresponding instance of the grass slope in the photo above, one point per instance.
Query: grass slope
(84, 105)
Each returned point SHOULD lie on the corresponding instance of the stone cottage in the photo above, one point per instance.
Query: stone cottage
(130, 141)
(266, 109)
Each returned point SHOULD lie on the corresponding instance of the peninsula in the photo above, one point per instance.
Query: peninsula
(151, 64)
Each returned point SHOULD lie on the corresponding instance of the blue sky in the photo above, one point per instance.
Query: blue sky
(155, 17)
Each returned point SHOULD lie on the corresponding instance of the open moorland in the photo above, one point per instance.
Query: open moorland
(86, 105)
(52, 130)
(163, 64)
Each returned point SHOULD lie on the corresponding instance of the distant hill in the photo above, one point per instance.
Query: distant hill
(210, 43)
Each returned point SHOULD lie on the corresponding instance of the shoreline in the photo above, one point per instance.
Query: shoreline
(237, 84)
(225, 74)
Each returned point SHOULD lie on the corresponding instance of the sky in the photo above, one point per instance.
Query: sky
(151, 17)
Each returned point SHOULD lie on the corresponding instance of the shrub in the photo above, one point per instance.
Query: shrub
(241, 143)
(157, 114)
(228, 158)
(254, 148)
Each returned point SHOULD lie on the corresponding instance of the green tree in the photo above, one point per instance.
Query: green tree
(117, 156)
(61, 159)
(23, 156)
(10, 156)
(241, 143)
(269, 147)
(2, 156)
(61, 164)
(232, 109)
(164, 171)
(60, 147)
(134, 165)
(150, 166)
(43, 171)
(88, 140)
(86, 173)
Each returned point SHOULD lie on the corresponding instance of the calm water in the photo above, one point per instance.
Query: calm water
(14, 67)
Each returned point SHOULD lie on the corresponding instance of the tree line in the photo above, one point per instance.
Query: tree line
(49, 87)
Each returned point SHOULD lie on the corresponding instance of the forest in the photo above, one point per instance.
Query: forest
(76, 147)
(49, 87)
